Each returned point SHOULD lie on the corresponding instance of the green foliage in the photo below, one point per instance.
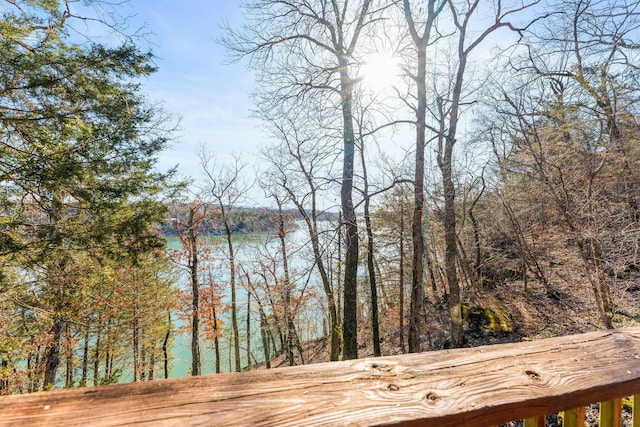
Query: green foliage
(79, 143)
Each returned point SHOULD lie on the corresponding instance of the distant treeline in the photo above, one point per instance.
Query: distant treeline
(244, 220)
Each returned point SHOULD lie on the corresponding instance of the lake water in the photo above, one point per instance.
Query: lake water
(248, 249)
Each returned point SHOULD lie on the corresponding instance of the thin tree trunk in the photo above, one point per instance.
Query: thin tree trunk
(338, 292)
(375, 328)
(248, 330)
(143, 362)
(287, 286)
(384, 297)
(401, 283)
(165, 352)
(85, 359)
(332, 310)
(264, 326)
(216, 339)
(432, 278)
(108, 358)
(152, 364)
(196, 364)
(136, 343)
(234, 309)
(69, 358)
(477, 274)
(298, 343)
(96, 362)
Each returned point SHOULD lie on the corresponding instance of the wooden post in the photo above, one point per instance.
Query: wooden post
(539, 421)
(636, 411)
(611, 413)
(574, 417)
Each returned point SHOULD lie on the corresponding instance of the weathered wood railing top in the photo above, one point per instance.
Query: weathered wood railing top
(475, 386)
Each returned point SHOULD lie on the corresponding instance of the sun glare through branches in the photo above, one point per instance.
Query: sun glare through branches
(380, 71)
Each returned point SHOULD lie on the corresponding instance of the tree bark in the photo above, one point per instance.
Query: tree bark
(52, 354)
(248, 330)
(195, 292)
(349, 315)
(232, 276)
(401, 283)
(417, 230)
(165, 352)
(68, 354)
(264, 326)
(420, 41)
(375, 328)
(96, 360)
(85, 359)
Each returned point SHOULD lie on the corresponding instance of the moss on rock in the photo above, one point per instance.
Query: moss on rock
(486, 319)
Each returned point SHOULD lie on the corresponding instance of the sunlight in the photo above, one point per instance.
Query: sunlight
(380, 71)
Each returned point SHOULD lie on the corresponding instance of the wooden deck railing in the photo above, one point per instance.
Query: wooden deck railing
(481, 386)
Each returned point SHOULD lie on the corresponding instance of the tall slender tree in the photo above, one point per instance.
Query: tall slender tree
(420, 30)
(298, 164)
(226, 186)
(449, 111)
(299, 48)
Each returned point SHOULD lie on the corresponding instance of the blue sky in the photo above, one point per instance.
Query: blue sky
(195, 83)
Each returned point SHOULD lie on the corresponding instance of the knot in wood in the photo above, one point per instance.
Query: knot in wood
(380, 368)
(431, 398)
(393, 387)
(533, 375)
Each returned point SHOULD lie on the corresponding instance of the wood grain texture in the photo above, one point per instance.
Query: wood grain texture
(467, 387)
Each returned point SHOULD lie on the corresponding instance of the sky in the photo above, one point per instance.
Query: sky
(195, 83)
(206, 96)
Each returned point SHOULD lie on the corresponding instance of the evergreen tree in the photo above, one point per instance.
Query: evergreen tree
(78, 149)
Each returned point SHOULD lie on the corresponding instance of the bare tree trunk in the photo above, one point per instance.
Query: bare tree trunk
(451, 252)
(108, 356)
(338, 292)
(165, 352)
(420, 41)
(417, 236)
(401, 282)
(248, 330)
(288, 317)
(232, 275)
(264, 326)
(96, 361)
(310, 219)
(192, 240)
(85, 358)
(143, 362)
(477, 274)
(349, 315)
(68, 354)
(375, 328)
(152, 365)
(216, 340)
